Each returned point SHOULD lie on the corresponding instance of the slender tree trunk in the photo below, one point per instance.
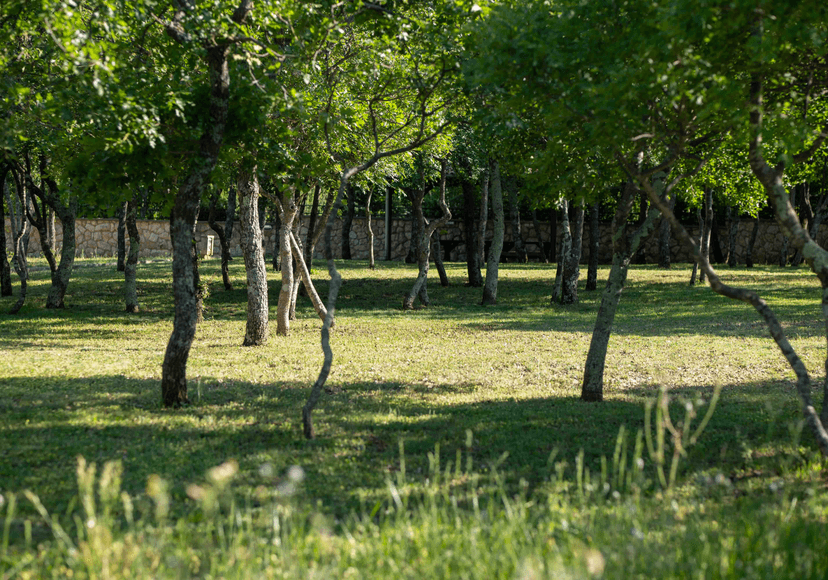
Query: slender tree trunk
(514, 210)
(371, 264)
(708, 228)
(438, 260)
(131, 265)
(229, 218)
(350, 212)
(539, 236)
(257, 328)
(700, 219)
(122, 237)
(490, 286)
(751, 243)
(224, 241)
(184, 214)
(594, 246)
(624, 247)
(733, 218)
(306, 279)
(563, 252)
(471, 235)
(5, 270)
(323, 221)
(572, 269)
(664, 237)
(484, 218)
(287, 213)
(277, 237)
(310, 238)
(19, 256)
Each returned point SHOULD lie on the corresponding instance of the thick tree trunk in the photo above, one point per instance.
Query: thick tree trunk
(563, 252)
(224, 242)
(256, 330)
(484, 218)
(754, 232)
(594, 246)
(664, 237)
(499, 229)
(514, 211)
(624, 247)
(572, 268)
(348, 219)
(5, 270)
(184, 214)
(539, 237)
(287, 213)
(371, 263)
(121, 265)
(131, 265)
(470, 234)
(733, 218)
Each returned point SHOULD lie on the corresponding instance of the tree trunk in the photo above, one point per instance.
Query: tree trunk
(470, 234)
(539, 236)
(19, 257)
(806, 214)
(184, 214)
(514, 210)
(66, 213)
(572, 269)
(708, 228)
(306, 279)
(277, 236)
(131, 264)
(371, 264)
(229, 218)
(484, 218)
(700, 219)
(490, 286)
(563, 252)
(256, 331)
(310, 238)
(121, 266)
(224, 241)
(624, 248)
(287, 213)
(438, 260)
(348, 219)
(715, 240)
(751, 243)
(664, 237)
(5, 270)
(424, 243)
(733, 218)
(594, 246)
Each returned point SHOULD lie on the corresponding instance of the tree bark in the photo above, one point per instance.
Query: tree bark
(624, 247)
(438, 260)
(224, 241)
(514, 210)
(484, 218)
(256, 330)
(470, 234)
(277, 236)
(572, 269)
(131, 264)
(563, 252)
(490, 285)
(318, 305)
(121, 265)
(5, 269)
(287, 213)
(708, 228)
(184, 214)
(700, 219)
(21, 267)
(594, 246)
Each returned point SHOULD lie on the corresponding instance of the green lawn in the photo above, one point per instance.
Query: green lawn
(85, 381)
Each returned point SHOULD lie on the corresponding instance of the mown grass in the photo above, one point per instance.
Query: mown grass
(84, 381)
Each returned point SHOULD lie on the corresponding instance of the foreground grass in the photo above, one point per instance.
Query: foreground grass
(84, 381)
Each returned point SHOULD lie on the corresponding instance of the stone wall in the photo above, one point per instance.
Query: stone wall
(98, 237)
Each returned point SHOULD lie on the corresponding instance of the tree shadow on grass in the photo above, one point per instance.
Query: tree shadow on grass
(48, 423)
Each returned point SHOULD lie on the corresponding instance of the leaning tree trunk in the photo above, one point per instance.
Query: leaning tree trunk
(5, 270)
(121, 265)
(318, 305)
(514, 211)
(754, 232)
(563, 252)
(539, 236)
(594, 246)
(470, 235)
(256, 330)
(224, 241)
(499, 229)
(184, 214)
(624, 247)
(733, 218)
(484, 218)
(131, 265)
(572, 269)
(664, 237)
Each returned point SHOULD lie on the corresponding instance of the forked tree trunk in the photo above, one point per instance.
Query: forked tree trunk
(257, 328)
(287, 213)
(594, 246)
(224, 242)
(66, 212)
(499, 229)
(131, 264)
(572, 268)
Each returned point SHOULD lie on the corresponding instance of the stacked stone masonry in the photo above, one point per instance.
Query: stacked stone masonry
(99, 238)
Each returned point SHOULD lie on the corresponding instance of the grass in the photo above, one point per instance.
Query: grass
(84, 381)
